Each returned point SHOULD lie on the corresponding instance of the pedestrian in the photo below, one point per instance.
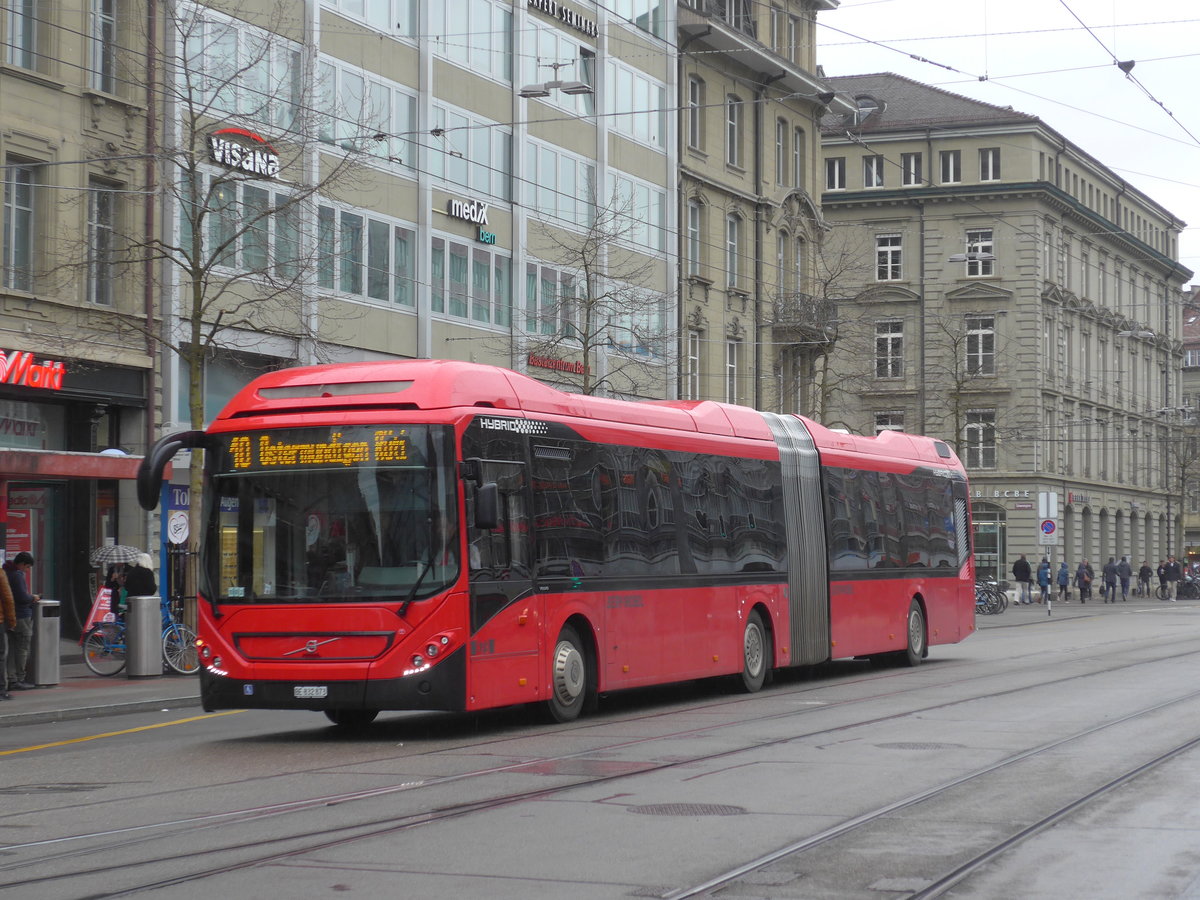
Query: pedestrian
(1174, 573)
(1110, 580)
(17, 572)
(8, 612)
(139, 578)
(1043, 580)
(1064, 582)
(1084, 574)
(1023, 576)
(1124, 573)
(1162, 579)
(1144, 574)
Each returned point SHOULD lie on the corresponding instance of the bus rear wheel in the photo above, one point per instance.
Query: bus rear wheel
(915, 651)
(568, 677)
(754, 653)
(351, 719)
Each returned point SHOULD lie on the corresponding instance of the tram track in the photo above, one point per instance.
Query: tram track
(283, 847)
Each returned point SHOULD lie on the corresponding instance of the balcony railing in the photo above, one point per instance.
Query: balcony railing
(803, 317)
(737, 14)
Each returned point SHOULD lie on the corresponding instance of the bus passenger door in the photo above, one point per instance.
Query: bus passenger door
(505, 612)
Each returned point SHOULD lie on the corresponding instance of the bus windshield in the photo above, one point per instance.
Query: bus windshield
(355, 513)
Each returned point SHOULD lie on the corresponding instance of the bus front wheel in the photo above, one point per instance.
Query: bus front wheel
(351, 719)
(754, 653)
(568, 677)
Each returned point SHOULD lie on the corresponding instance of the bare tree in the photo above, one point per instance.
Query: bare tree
(241, 247)
(603, 306)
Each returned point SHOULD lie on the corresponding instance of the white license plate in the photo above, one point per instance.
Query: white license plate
(310, 692)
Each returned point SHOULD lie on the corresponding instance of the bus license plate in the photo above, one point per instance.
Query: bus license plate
(310, 692)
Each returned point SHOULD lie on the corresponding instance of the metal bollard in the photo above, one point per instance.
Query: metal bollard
(143, 637)
(47, 637)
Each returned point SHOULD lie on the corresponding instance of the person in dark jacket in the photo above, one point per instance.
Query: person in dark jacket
(17, 572)
(8, 613)
(1144, 574)
(1064, 582)
(1023, 575)
(1110, 580)
(139, 578)
(1084, 575)
(1124, 573)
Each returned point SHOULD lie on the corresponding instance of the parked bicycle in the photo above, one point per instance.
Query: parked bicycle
(1188, 588)
(990, 599)
(105, 647)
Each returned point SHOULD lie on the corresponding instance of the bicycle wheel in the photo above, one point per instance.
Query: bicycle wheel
(179, 649)
(104, 649)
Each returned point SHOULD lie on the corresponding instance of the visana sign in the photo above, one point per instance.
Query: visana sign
(18, 367)
(261, 160)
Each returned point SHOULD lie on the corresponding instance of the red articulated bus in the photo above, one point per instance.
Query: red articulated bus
(443, 535)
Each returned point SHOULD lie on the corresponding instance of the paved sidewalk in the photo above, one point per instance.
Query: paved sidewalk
(80, 694)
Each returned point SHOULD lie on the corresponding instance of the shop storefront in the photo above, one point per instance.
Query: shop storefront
(68, 430)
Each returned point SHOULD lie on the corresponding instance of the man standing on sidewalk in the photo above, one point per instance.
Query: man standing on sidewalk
(1023, 575)
(1173, 573)
(17, 570)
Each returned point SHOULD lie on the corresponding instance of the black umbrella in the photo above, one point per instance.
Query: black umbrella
(114, 553)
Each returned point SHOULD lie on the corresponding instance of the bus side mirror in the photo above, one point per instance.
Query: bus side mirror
(150, 471)
(487, 506)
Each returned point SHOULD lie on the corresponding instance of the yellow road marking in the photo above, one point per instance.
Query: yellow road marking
(108, 734)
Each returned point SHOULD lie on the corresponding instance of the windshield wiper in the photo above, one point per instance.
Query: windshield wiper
(412, 593)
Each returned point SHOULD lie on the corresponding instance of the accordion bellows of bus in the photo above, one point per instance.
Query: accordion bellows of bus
(431, 534)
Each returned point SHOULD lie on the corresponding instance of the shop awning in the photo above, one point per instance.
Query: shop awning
(16, 464)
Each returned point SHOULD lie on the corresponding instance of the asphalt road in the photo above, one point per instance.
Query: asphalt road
(1047, 756)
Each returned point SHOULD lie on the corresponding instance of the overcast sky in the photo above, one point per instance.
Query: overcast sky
(1035, 56)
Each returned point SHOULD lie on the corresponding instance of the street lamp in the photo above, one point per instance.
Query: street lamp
(543, 88)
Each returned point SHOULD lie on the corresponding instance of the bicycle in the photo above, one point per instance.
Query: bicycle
(105, 647)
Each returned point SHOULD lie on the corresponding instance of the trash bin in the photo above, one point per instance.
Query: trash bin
(143, 637)
(47, 637)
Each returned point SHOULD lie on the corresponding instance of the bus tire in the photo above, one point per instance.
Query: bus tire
(917, 648)
(351, 719)
(754, 653)
(569, 686)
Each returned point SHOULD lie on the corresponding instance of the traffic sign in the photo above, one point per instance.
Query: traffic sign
(1048, 533)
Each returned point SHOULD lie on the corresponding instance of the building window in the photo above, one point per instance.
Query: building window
(375, 259)
(872, 171)
(559, 185)
(733, 249)
(18, 227)
(989, 164)
(889, 349)
(638, 210)
(691, 374)
(889, 421)
(23, 33)
(732, 355)
(981, 345)
(799, 179)
(104, 45)
(979, 438)
(951, 163)
(781, 249)
(835, 173)
(981, 260)
(887, 257)
(733, 130)
(695, 113)
(478, 36)
(695, 214)
(102, 200)
(638, 104)
(911, 166)
(550, 301)
(781, 154)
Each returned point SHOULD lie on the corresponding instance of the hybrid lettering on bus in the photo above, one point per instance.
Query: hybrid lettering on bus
(442, 535)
